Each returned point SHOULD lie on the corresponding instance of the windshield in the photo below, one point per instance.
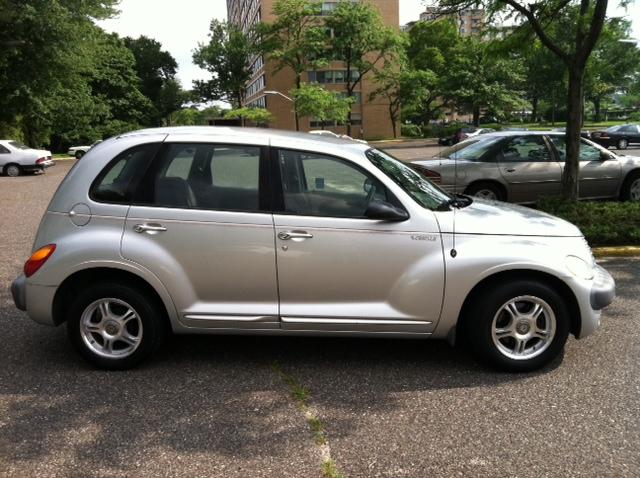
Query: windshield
(420, 189)
(18, 145)
(470, 150)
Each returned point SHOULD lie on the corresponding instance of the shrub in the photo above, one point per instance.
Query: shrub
(602, 223)
(410, 130)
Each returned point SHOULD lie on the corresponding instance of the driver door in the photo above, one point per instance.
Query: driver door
(338, 270)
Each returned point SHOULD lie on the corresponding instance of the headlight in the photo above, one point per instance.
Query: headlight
(579, 268)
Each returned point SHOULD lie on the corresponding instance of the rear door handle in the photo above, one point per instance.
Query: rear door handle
(286, 235)
(151, 228)
(511, 170)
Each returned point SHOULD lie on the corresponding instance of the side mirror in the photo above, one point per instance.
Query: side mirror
(604, 156)
(384, 211)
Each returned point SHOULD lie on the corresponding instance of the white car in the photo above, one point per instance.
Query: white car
(17, 158)
(80, 151)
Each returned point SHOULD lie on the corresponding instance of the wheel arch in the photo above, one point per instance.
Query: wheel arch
(497, 278)
(84, 277)
(627, 177)
(492, 182)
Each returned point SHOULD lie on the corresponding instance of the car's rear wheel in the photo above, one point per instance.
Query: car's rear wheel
(79, 154)
(622, 143)
(630, 190)
(518, 326)
(485, 191)
(114, 326)
(12, 170)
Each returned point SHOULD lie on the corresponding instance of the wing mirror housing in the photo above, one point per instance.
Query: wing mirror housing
(604, 156)
(383, 211)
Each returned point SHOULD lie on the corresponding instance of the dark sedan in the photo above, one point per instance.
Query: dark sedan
(619, 136)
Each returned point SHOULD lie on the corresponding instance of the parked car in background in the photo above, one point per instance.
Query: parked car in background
(462, 134)
(80, 151)
(583, 133)
(522, 167)
(619, 137)
(17, 158)
(255, 231)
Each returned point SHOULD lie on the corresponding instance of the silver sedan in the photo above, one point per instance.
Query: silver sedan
(523, 167)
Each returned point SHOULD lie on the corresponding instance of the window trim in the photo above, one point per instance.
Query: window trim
(278, 191)
(264, 186)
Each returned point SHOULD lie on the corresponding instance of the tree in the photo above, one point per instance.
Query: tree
(361, 40)
(296, 40)
(259, 116)
(430, 45)
(402, 87)
(227, 57)
(325, 106)
(582, 32)
(613, 64)
(40, 46)
(156, 69)
(479, 79)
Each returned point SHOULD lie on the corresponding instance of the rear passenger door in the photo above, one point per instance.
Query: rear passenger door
(201, 223)
(529, 168)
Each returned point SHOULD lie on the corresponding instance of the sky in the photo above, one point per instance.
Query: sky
(181, 25)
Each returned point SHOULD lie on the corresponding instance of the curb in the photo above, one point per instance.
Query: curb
(617, 251)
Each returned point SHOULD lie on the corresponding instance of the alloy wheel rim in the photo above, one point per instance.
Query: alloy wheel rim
(634, 190)
(623, 143)
(523, 327)
(111, 328)
(13, 171)
(486, 194)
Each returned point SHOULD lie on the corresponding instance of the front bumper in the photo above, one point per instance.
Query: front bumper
(19, 292)
(603, 290)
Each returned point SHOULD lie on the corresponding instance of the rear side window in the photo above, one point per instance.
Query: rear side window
(120, 178)
(205, 176)
(3, 150)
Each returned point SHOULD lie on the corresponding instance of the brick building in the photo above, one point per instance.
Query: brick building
(369, 119)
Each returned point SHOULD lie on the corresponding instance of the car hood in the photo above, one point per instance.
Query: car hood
(498, 218)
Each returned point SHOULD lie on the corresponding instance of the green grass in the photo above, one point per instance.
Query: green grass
(330, 470)
(602, 223)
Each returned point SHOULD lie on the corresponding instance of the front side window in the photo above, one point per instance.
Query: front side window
(119, 179)
(420, 189)
(205, 176)
(525, 149)
(319, 185)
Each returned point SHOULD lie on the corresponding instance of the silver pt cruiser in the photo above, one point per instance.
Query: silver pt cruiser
(242, 231)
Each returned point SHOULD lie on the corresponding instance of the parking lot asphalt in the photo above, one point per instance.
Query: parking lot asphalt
(217, 406)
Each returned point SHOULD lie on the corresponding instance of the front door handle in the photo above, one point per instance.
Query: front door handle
(286, 235)
(151, 228)
(511, 170)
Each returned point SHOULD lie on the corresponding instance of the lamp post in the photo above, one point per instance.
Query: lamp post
(277, 93)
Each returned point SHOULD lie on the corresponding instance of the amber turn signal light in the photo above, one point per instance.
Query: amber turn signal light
(37, 259)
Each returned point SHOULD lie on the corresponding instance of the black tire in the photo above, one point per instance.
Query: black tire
(151, 314)
(13, 170)
(630, 182)
(622, 143)
(479, 325)
(79, 154)
(477, 189)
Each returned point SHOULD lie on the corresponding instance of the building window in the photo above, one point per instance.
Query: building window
(255, 87)
(356, 119)
(316, 123)
(258, 103)
(331, 76)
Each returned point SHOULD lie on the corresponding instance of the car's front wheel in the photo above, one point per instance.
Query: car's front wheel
(115, 326)
(518, 326)
(485, 190)
(623, 143)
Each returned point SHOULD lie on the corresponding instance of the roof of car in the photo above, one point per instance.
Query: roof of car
(223, 131)
(522, 133)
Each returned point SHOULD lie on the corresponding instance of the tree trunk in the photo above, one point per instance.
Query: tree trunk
(476, 116)
(393, 122)
(570, 184)
(534, 109)
(596, 108)
(295, 106)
